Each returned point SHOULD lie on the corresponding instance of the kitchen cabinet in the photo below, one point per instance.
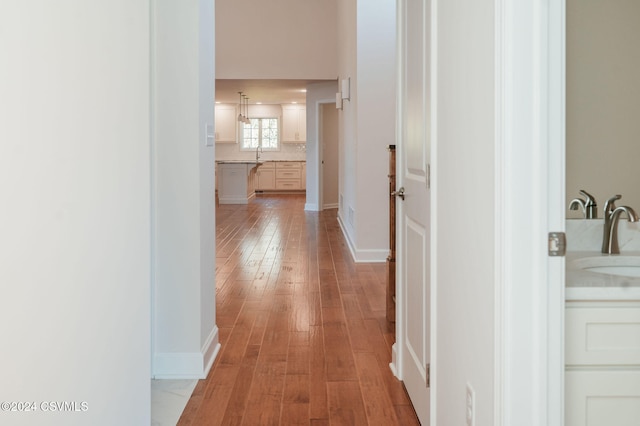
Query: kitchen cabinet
(602, 378)
(281, 176)
(288, 175)
(266, 176)
(294, 123)
(236, 181)
(226, 120)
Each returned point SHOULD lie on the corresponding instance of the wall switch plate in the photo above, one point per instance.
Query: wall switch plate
(209, 135)
(471, 406)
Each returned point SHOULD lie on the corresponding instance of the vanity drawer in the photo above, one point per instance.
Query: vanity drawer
(605, 335)
(288, 174)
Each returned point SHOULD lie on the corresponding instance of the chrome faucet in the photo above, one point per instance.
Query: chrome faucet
(588, 205)
(258, 151)
(611, 219)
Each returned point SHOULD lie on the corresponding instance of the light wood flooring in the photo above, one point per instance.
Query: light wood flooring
(302, 327)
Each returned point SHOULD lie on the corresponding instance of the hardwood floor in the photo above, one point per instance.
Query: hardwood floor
(303, 329)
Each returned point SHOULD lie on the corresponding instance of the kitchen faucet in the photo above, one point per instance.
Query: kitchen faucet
(611, 219)
(258, 151)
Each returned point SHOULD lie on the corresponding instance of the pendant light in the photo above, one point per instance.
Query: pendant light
(246, 117)
(240, 116)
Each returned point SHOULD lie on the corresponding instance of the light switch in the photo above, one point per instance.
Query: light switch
(209, 135)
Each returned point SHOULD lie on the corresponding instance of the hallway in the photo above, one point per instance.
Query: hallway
(302, 327)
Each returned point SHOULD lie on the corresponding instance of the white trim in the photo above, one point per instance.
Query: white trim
(319, 151)
(393, 365)
(236, 200)
(330, 206)
(153, 211)
(210, 350)
(359, 255)
(433, 285)
(556, 213)
(529, 174)
(311, 207)
(397, 366)
(500, 369)
(187, 365)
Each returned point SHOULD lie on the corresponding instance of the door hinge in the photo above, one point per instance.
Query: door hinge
(557, 244)
(428, 375)
(428, 176)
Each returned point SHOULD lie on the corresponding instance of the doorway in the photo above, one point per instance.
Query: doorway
(329, 156)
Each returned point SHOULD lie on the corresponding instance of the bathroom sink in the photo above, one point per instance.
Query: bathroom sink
(626, 266)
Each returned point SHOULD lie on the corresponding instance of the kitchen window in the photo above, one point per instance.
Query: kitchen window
(261, 132)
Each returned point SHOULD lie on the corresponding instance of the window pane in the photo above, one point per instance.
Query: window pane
(270, 133)
(251, 134)
(260, 132)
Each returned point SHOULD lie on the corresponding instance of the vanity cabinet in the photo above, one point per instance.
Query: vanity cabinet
(294, 123)
(225, 128)
(602, 357)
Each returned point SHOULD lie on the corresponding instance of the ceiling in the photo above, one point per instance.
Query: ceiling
(264, 91)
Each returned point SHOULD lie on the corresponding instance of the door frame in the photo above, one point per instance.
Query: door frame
(529, 201)
(320, 139)
(530, 187)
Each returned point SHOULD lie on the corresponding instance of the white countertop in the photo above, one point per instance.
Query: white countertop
(582, 284)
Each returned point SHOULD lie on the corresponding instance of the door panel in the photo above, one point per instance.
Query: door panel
(414, 253)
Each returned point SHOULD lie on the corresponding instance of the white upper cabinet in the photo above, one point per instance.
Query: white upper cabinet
(294, 123)
(226, 119)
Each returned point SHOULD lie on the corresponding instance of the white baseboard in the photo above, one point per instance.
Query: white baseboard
(363, 256)
(347, 237)
(330, 206)
(187, 365)
(311, 207)
(210, 350)
(394, 362)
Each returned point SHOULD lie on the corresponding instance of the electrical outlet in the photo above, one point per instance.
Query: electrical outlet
(471, 406)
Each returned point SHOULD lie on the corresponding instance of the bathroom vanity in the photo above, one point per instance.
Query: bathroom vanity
(602, 339)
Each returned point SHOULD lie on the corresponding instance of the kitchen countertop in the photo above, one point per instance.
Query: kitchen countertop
(259, 162)
(581, 284)
(239, 162)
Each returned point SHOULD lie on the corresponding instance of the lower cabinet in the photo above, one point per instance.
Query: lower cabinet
(281, 176)
(266, 176)
(602, 377)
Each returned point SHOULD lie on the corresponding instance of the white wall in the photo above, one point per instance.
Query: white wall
(74, 221)
(184, 331)
(603, 101)
(376, 113)
(347, 120)
(316, 93)
(366, 55)
(465, 209)
(281, 39)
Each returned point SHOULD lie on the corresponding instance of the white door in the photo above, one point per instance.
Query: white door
(414, 247)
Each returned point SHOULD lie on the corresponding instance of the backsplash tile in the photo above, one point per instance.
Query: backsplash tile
(586, 235)
(288, 151)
